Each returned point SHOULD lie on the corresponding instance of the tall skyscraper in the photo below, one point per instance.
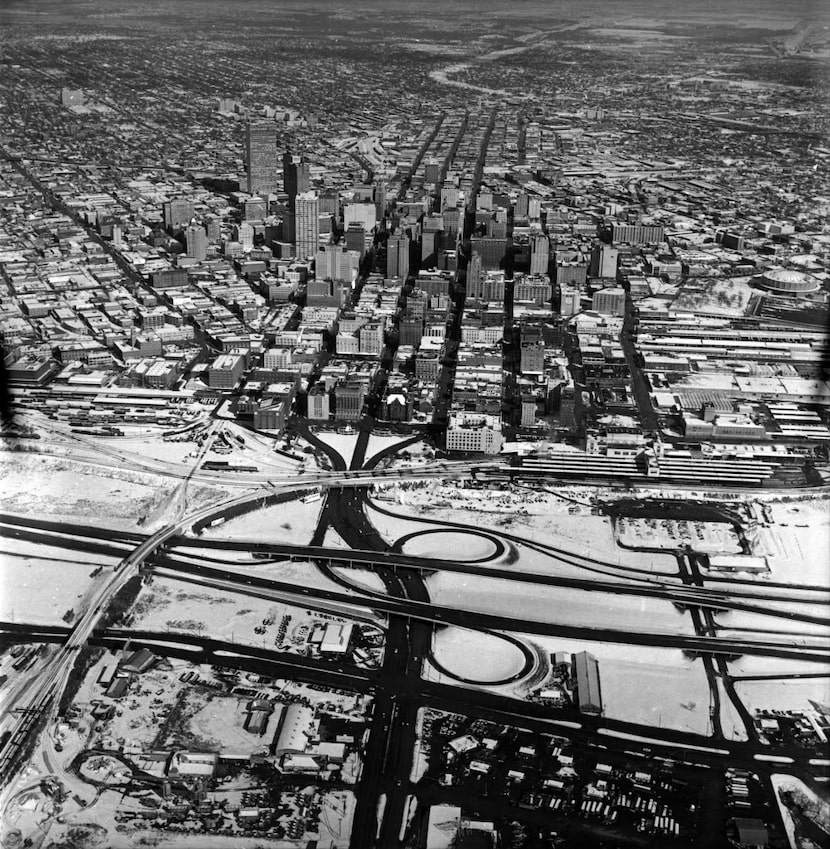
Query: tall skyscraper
(295, 180)
(397, 256)
(380, 201)
(261, 158)
(475, 275)
(539, 253)
(431, 240)
(197, 241)
(295, 175)
(306, 207)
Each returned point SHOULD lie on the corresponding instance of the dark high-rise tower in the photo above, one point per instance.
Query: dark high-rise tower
(295, 180)
(295, 175)
(261, 158)
(397, 256)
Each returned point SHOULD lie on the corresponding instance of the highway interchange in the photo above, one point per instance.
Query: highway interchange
(398, 686)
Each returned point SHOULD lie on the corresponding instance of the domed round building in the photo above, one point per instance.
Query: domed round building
(784, 281)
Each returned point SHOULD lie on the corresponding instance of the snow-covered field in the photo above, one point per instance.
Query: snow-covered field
(40, 583)
(483, 658)
(768, 625)
(783, 693)
(559, 605)
(168, 605)
(751, 664)
(298, 572)
(797, 639)
(290, 522)
(803, 533)
(342, 443)
(450, 545)
(333, 540)
(154, 447)
(392, 528)
(58, 487)
(381, 443)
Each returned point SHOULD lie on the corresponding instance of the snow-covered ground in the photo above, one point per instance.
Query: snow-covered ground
(540, 517)
(645, 684)
(40, 583)
(152, 446)
(559, 605)
(290, 522)
(450, 545)
(300, 573)
(802, 531)
(751, 664)
(392, 528)
(342, 443)
(783, 693)
(173, 606)
(336, 816)
(768, 625)
(333, 540)
(362, 578)
(58, 487)
(380, 443)
(482, 658)
(817, 642)
(624, 565)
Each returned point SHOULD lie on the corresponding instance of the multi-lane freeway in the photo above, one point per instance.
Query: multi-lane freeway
(412, 617)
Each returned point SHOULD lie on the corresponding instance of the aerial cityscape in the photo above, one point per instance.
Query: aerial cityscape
(415, 424)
